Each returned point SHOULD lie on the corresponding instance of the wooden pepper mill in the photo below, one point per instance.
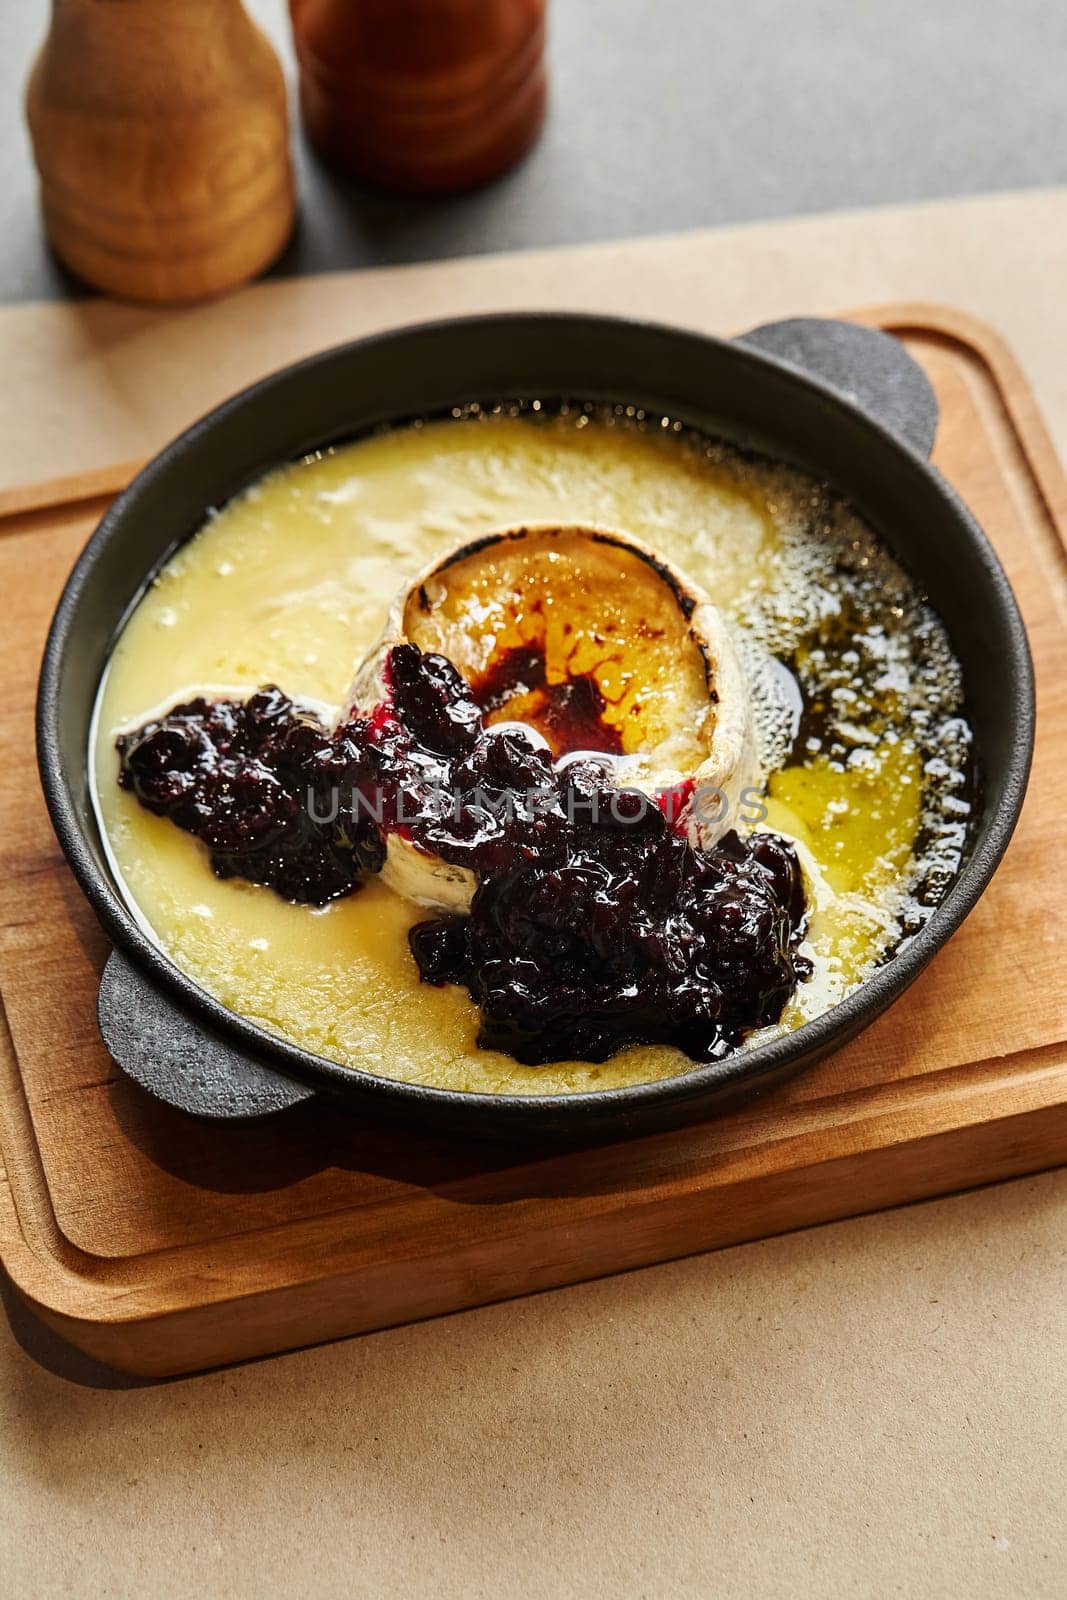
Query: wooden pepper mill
(424, 96)
(161, 136)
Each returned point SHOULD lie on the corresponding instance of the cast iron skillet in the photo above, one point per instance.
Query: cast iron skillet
(847, 404)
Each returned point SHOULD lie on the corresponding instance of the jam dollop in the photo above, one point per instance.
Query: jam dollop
(251, 779)
(593, 925)
(616, 932)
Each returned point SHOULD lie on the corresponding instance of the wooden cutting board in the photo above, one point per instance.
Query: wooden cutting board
(164, 1245)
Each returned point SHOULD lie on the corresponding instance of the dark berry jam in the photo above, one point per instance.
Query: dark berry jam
(431, 701)
(621, 934)
(251, 779)
(569, 716)
(593, 925)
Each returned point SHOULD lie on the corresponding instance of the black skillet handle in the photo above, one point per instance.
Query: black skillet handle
(178, 1058)
(869, 368)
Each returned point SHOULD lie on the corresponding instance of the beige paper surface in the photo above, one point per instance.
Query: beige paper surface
(90, 382)
(868, 1409)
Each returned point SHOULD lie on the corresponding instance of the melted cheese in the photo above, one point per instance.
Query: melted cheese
(291, 584)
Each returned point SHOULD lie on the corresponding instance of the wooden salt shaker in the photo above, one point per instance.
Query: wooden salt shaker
(161, 137)
(423, 96)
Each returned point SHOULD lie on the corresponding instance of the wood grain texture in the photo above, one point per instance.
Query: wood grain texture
(165, 1245)
(423, 96)
(160, 132)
